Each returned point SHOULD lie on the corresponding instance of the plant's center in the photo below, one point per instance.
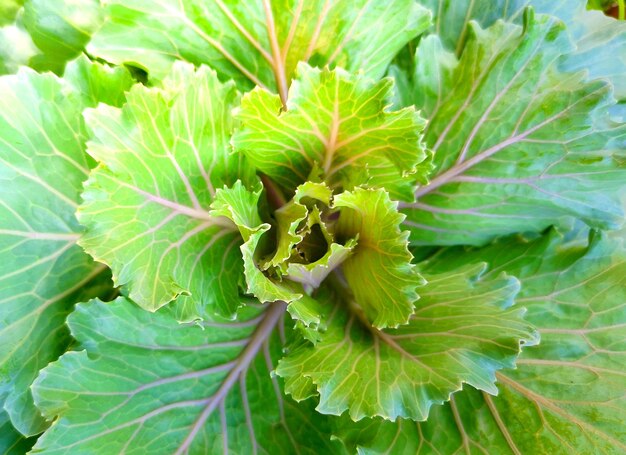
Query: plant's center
(313, 246)
(306, 249)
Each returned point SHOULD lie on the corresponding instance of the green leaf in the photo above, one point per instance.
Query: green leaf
(567, 395)
(600, 50)
(463, 330)
(439, 434)
(241, 206)
(288, 221)
(42, 136)
(162, 157)
(98, 83)
(308, 312)
(290, 270)
(45, 34)
(451, 18)
(11, 441)
(518, 144)
(148, 384)
(290, 216)
(600, 43)
(258, 43)
(433, 72)
(312, 274)
(600, 40)
(336, 121)
(8, 10)
(60, 29)
(306, 251)
(379, 272)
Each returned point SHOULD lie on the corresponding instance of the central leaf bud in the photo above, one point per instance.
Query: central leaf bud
(288, 254)
(306, 249)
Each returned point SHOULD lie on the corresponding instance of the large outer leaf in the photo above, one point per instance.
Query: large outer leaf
(432, 70)
(46, 34)
(463, 330)
(336, 121)
(600, 50)
(261, 41)
(163, 155)
(567, 395)
(600, 40)
(518, 144)
(440, 434)
(43, 272)
(380, 272)
(147, 384)
(452, 17)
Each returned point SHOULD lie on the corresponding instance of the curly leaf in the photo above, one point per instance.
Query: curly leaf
(313, 274)
(147, 204)
(463, 330)
(336, 121)
(379, 272)
(290, 216)
(241, 206)
(147, 384)
(307, 252)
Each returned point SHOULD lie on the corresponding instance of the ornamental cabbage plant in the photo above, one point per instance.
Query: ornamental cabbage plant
(312, 227)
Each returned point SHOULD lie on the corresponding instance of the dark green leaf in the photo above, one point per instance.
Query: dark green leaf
(518, 143)
(147, 384)
(567, 394)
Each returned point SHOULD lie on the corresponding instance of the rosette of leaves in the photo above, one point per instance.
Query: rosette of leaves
(311, 227)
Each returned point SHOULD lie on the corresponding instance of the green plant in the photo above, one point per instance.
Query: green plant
(311, 227)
